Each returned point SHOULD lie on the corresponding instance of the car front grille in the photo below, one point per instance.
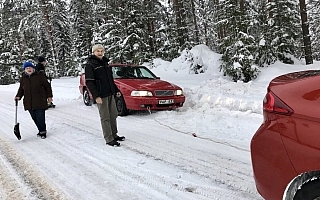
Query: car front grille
(163, 93)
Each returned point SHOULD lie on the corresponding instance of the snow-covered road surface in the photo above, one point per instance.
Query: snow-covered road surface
(160, 159)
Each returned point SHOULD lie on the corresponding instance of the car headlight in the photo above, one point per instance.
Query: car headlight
(141, 94)
(178, 92)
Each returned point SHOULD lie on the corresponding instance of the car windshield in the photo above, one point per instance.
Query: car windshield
(132, 72)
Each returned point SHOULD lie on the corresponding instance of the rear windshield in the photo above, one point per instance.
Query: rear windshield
(309, 73)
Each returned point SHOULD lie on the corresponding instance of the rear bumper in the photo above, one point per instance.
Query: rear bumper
(152, 103)
(272, 168)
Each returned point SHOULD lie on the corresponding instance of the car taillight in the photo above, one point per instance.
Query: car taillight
(272, 103)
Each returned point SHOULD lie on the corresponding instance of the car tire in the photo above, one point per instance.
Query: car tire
(86, 98)
(309, 191)
(121, 106)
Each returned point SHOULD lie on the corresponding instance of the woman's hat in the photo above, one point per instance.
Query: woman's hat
(27, 64)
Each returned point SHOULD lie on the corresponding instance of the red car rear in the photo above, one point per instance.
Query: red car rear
(141, 90)
(285, 150)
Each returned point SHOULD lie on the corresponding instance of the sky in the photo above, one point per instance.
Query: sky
(198, 152)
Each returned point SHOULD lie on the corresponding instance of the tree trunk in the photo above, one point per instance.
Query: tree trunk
(152, 40)
(242, 5)
(49, 32)
(205, 26)
(305, 32)
(221, 33)
(196, 29)
(178, 9)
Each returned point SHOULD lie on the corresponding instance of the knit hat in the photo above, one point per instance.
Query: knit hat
(41, 59)
(96, 47)
(27, 64)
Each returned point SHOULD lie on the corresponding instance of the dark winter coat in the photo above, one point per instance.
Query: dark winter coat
(99, 77)
(35, 89)
(40, 68)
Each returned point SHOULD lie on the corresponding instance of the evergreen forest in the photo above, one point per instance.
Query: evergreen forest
(249, 34)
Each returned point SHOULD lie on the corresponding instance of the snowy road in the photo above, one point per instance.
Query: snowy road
(159, 160)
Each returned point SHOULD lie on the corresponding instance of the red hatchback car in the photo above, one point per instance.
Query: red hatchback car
(140, 89)
(285, 150)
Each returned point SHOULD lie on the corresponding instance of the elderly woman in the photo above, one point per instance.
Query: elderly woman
(36, 91)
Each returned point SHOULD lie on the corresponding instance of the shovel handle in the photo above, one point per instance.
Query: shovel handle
(16, 118)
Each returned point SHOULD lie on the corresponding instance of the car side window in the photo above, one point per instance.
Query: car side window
(116, 72)
(145, 73)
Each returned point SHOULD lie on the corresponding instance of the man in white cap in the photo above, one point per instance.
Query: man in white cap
(100, 82)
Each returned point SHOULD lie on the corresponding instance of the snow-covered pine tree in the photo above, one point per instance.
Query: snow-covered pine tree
(313, 8)
(65, 65)
(167, 43)
(124, 32)
(82, 22)
(13, 47)
(265, 55)
(284, 33)
(237, 45)
(207, 16)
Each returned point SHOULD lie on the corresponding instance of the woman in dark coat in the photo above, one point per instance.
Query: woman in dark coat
(36, 91)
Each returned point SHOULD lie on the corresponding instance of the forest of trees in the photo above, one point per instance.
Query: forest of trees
(250, 34)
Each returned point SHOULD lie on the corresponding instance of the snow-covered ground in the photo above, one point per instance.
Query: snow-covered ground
(160, 159)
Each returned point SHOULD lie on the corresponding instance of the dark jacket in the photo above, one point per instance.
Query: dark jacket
(35, 89)
(99, 77)
(40, 68)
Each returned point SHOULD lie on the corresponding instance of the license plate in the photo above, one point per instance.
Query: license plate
(169, 101)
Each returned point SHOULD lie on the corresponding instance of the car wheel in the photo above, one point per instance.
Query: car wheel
(86, 98)
(309, 191)
(121, 106)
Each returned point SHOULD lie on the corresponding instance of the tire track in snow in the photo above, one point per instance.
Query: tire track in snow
(24, 175)
(207, 162)
(121, 172)
(163, 148)
(9, 181)
(19, 178)
(218, 166)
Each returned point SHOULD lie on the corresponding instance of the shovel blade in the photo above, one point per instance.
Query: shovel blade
(16, 131)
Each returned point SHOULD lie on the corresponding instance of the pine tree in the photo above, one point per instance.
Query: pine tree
(63, 41)
(13, 49)
(284, 29)
(125, 33)
(207, 17)
(82, 24)
(167, 44)
(237, 46)
(314, 18)
(265, 54)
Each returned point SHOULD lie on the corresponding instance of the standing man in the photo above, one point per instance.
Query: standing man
(41, 63)
(40, 68)
(100, 82)
(36, 92)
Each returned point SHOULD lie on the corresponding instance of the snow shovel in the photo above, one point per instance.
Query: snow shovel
(16, 127)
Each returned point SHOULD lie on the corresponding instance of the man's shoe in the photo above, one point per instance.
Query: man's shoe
(119, 138)
(42, 135)
(113, 143)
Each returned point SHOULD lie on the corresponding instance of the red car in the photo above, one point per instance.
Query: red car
(285, 150)
(140, 89)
